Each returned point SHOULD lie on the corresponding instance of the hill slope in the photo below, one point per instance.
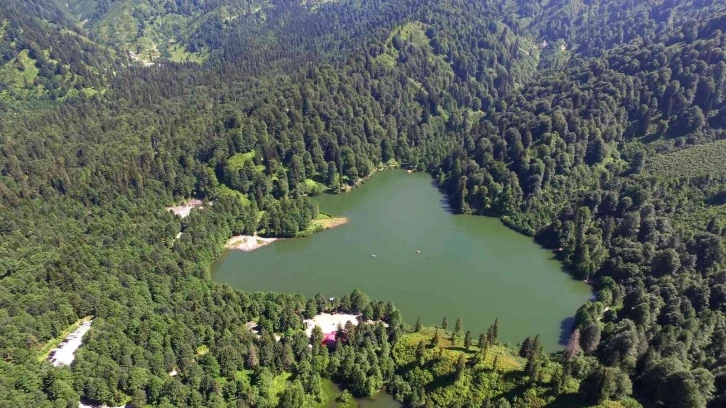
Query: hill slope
(154, 29)
(44, 57)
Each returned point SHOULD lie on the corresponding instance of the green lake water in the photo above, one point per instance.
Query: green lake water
(381, 400)
(469, 266)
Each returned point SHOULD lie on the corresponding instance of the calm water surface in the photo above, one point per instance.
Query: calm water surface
(469, 266)
(381, 400)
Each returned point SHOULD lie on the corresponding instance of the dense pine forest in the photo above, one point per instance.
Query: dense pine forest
(595, 127)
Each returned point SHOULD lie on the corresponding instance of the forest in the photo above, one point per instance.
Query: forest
(596, 128)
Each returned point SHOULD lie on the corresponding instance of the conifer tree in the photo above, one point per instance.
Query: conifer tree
(482, 340)
(460, 366)
(496, 331)
(493, 333)
(252, 359)
(421, 353)
(533, 359)
(458, 327)
(524, 349)
(435, 339)
(573, 345)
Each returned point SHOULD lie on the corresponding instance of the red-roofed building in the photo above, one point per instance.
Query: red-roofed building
(329, 339)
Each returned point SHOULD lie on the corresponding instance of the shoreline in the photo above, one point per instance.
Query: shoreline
(554, 341)
(320, 224)
(332, 222)
(248, 243)
(362, 180)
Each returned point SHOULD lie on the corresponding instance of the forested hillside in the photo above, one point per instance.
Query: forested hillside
(151, 30)
(43, 56)
(596, 128)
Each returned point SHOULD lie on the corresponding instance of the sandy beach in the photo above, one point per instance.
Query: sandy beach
(248, 243)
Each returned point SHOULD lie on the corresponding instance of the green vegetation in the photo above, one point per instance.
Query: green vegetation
(94, 147)
(697, 161)
(321, 223)
(18, 74)
(43, 58)
(237, 162)
(413, 33)
(224, 191)
(157, 30)
(332, 397)
(278, 386)
(314, 188)
(177, 53)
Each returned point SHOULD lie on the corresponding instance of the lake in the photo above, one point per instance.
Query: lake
(469, 266)
(381, 400)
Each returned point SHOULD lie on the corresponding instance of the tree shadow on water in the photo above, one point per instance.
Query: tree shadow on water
(566, 329)
(444, 201)
(446, 205)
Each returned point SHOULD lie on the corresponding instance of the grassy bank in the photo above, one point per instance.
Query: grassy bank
(321, 223)
(331, 397)
(495, 373)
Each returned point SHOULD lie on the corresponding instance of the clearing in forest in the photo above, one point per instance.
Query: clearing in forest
(696, 161)
(185, 209)
(61, 349)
